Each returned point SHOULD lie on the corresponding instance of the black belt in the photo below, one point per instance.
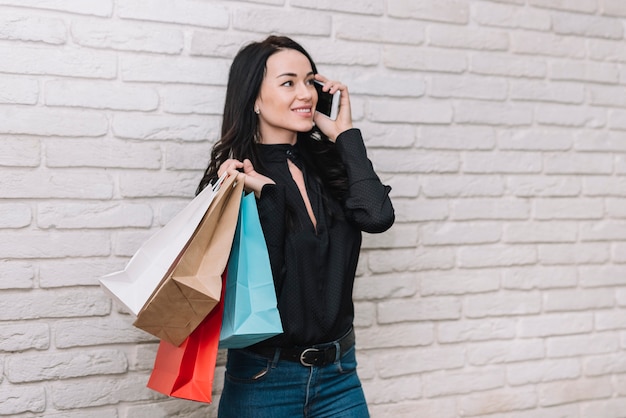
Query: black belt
(316, 355)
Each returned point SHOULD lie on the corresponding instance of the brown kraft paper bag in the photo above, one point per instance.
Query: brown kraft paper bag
(191, 291)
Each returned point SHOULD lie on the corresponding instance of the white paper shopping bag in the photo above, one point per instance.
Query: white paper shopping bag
(133, 286)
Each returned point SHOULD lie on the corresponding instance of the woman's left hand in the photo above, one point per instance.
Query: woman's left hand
(332, 128)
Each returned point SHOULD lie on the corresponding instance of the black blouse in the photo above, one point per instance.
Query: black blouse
(314, 266)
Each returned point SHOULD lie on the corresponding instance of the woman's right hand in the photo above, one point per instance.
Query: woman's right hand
(253, 181)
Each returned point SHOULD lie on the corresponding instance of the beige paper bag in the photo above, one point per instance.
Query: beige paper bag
(193, 288)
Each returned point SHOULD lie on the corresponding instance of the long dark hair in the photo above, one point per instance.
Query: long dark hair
(240, 124)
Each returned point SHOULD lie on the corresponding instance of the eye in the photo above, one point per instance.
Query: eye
(287, 83)
(311, 81)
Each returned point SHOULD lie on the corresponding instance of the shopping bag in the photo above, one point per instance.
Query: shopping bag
(132, 287)
(193, 288)
(187, 371)
(250, 312)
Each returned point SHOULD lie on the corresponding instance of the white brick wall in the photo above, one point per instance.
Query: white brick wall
(501, 126)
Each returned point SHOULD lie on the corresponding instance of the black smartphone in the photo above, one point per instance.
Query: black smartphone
(327, 104)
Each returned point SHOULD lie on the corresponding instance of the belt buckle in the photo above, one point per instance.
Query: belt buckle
(303, 355)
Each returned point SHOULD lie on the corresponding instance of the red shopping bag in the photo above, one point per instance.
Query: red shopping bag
(187, 371)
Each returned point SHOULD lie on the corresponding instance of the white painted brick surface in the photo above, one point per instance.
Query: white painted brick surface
(499, 292)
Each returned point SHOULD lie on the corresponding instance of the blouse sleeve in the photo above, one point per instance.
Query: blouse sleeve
(367, 202)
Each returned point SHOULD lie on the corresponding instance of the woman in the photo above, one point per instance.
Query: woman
(316, 192)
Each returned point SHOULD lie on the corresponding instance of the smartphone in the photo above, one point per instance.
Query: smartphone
(327, 104)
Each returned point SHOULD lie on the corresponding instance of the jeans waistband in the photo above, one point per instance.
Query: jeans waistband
(316, 355)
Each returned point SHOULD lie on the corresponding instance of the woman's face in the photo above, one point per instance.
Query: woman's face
(287, 99)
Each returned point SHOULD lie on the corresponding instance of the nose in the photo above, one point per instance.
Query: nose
(305, 91)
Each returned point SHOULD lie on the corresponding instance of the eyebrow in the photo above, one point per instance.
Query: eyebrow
(293, 74)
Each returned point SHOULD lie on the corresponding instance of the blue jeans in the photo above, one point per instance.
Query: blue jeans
(257, 387)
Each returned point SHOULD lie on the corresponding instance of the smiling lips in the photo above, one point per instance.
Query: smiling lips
(306, 111)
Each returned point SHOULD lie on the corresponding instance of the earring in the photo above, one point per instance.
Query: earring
(257, 110)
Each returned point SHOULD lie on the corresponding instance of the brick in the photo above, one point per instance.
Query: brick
(19, 90)
(15, 400)
(90, 392)
(499, 400)
(602, 276)
(502, 162)
(607, 50)
(593, 72)
(433, 259)
(605, 321)
(540, 277)
(173, 184)
(424, 309)
(441, 408)
(106, 153)
(401, 362)
(439, 283)
(79, 184)
(499, 352)
(52, 122)
(472, 209)
(577, 300)
(370, 84)
(549, 412)
(582, 345)
(189, 12)
(496, 256)
(164, 127)
(599, 141)
(452, 11)
(364, 314)
(530, 373)
(468, 87)
(70, 62)
(605, 96)
(414, 161)
(368, 7)
(165, 408)
(468, 38)
(37, 244)
(557, 92)
(613, 8)
(569, 208)
(17, 275)
(102, 8)
(19, 151)
(21, 27)
(420, 59)
(456, 138)
(383, 286)
(80, 272)
(403, 185)
(289, 22)
(358, 28)
(193, 99)
(544, 44)
(15, 337)
(398, 110)
(483, 113)
(588, 26)
(54, 304)
(535, 140)
(128, 37)
(435, 186)
(217, 43)
(33, 368)
(561, 392)
(476, 330)
(546, 186)
(97, 331)
(399, 389)
(507, 66)
(396, 335)
(616, 119)
(604, 365)
(93, 215)
(608, 408)
(511, 16)
(502, 304)
(603, 231)
(100, 95)
(184, 156)
(460, 233)
(160, 69)
(400, 236)
(578, 163)
(15, 215)
(549, 325)
(458, 382)
(584, 6)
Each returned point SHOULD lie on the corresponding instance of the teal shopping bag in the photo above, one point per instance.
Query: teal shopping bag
(250, 312)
